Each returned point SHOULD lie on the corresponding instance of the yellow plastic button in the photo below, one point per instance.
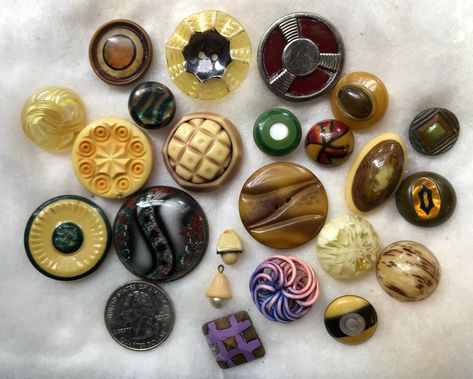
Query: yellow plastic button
(52, 117)
(112, 158)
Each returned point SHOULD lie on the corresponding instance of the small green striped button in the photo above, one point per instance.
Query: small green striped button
(152, 105)
(277, 132)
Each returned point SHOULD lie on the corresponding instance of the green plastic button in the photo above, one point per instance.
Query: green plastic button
(277, 132)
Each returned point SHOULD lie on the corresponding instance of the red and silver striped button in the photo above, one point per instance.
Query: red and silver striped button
(300, 56)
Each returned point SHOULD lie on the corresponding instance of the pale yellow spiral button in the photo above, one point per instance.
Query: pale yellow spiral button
(53, 117)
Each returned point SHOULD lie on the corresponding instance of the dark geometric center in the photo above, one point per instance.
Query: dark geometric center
(67, 237)
(426, 200)
(207, 55)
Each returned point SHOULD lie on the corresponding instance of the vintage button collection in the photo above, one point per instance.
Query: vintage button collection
(161, 233)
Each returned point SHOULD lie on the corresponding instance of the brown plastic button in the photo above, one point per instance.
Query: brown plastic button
(120, 52)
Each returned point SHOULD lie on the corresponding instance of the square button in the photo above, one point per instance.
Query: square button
(435, 131)
(233, 340)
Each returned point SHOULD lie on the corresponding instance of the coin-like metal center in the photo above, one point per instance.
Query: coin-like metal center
(352, 324)
(67, 237)
(301, 57)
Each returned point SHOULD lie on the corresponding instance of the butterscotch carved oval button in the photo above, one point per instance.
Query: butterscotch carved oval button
(376, 173)
(120, 52)
(283, 205)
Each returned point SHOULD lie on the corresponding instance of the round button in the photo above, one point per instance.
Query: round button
(52, 118)
(350, 319)
(120, 52)
(434, 131)
(329, 143)
(408, 271)
(283, 205)
(359, 100)
(277, 132)
(202, 151)
(300, 56)
(208, 55)
(67, 237)
(426, 199)
(112, 158)
(151, 105)
(160, 234)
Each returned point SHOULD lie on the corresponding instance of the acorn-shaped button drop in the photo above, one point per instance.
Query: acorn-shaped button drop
(219, 290)
(229, 247)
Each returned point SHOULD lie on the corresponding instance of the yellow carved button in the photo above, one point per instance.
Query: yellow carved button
(202, 151)
(112, 157)
(67, 237)
(52, 117)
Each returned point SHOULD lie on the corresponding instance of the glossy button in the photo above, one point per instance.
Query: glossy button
(202, 151)
(300, 56)
(67, 237)
(52, 118)
(376, 173)
(434, 131)
(283, 205)
(277, 132)
(347, 247)
(359, 99)
(208, 55)
(351, 319)
(426, 199)
(120, 52)
(160, 234)
(112, 157)
(408, 271)
(151, 105)
(329, 143)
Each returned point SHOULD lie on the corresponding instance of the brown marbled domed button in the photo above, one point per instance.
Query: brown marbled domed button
(376, 173)
(283, 205)
(120, 52)
(355, 101)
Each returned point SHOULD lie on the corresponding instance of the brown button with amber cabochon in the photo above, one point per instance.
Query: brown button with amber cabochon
(120, 52)
(283, 205)
(376, 173)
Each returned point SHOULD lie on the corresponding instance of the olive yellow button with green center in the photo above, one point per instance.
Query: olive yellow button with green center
(277, 132)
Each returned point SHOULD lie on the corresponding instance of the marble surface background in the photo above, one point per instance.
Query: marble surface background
(50, 329)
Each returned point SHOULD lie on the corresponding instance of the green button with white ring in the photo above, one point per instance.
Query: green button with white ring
(277, 132)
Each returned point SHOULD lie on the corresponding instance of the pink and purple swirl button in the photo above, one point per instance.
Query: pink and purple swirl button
(284, 288)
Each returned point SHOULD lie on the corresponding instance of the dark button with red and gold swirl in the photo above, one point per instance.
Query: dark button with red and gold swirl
(120, 52)
(300, 56)
(426, 199)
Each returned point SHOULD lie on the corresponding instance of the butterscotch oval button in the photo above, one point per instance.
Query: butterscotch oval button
(283, 205)
(120, 52)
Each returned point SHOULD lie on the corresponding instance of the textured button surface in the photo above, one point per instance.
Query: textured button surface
(52, 117)
(120, 52)
(283, 205)
(300, 56)
(67, 237)
(277, 132)
(434, 131)
(160, 234)
(112, 157)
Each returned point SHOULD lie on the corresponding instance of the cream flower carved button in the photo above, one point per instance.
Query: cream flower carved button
(112, 158)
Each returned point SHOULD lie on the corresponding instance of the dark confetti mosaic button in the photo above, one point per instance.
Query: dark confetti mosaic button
(426, 199)
(67, 237)
(152, 105)
(350, 319)
(120, 52)
(300, 56)
(161, 234)
(233, 340)
(434, 131)
(329, 143)
(277, 132)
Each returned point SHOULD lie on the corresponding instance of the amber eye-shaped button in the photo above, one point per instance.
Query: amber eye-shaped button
(359, 99)
(120, 52)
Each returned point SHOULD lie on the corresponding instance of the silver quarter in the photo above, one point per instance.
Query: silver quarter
(139, 315)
